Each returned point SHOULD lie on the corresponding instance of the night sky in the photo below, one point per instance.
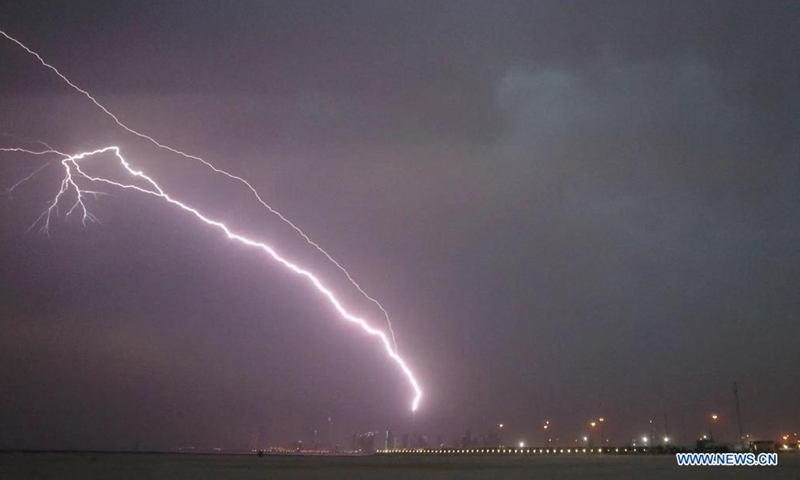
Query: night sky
(570, 210)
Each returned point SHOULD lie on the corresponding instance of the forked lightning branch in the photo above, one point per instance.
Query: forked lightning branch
(71, 201)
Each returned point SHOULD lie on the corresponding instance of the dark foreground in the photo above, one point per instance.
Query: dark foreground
(124, 466)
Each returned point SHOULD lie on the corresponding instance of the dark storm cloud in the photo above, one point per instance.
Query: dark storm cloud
(629, 135)
(570, 209)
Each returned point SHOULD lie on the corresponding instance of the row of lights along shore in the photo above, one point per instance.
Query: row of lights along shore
(461, 451)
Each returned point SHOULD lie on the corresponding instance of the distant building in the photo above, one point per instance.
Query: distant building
(491, 440)
(467, 441)
(257, 438)
(364, 442)
(763, 446)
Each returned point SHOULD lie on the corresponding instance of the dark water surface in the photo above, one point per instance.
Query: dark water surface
(125, 466)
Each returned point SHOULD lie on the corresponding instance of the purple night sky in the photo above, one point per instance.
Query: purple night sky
(571, 210)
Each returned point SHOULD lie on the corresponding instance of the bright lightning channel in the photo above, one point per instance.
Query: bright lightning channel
(73, 172)
(215, 169)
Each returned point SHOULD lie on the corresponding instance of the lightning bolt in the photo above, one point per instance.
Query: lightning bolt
(215, 169)
(69, 185)
(33, 174)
